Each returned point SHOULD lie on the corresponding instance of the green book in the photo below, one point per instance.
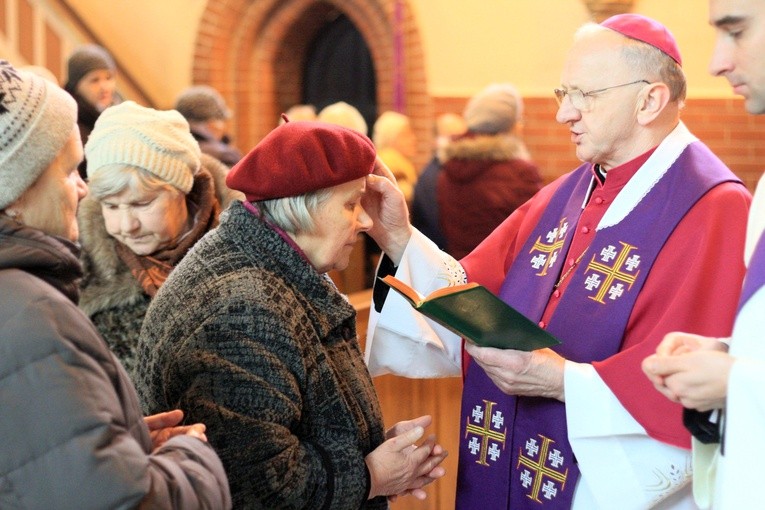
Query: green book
(473, 312)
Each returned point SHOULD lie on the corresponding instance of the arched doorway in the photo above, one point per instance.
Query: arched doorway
(339, 67)
(254, 52)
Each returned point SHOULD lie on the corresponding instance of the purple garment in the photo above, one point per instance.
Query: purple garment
(755, 274)
(540, 467)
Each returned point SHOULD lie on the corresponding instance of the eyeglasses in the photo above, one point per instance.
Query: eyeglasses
(579, 98)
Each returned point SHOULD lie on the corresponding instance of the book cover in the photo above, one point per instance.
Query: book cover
(473, 312)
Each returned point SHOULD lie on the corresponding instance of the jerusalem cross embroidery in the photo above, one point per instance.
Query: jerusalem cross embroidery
(549, 250)
(540, 471)
(486, 426)
(611, 271)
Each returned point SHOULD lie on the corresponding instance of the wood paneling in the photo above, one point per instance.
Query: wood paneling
(53, 53)
(403, 399)
(26, 31)
(3, 17)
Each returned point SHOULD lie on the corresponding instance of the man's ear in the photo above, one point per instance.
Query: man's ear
(652, 101)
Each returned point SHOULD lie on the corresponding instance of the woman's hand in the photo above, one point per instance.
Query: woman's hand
(399, 466)
(163, 426)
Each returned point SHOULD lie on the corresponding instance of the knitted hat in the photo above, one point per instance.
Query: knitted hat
(300, 157)
(201, 103)
(36, 120)
(494, 110)
(85, 59)
(159, 142)
(645, 30)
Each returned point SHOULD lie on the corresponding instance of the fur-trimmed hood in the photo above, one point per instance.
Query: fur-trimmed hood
(108, 282)
(467, 156)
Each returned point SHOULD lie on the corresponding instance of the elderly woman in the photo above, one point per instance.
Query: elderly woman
(250, 334)
(73, 432)
(152, 196)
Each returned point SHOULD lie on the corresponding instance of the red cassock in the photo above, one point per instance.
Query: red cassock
(693, 286)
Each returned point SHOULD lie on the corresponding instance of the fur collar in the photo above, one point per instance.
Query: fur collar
(108, 282)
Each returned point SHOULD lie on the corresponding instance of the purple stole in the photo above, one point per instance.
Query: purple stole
(514, 451)
(755, 274)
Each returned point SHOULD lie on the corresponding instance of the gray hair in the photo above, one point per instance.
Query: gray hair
(113, 179)
(294, 214)
(649, 61)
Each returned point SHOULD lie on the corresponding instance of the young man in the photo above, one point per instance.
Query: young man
(642, 239)
(700, 372)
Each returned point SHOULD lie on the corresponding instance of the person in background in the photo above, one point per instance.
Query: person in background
(92, 82)
(250, 333)
(299, 112)
(152, 196)
(207, 114)
(487, 173)
(594, 258)
(73, 432)
(343, 114)
(720, 378)
(425, 217)
(396, 146)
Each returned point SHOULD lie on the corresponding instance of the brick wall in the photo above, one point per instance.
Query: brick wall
(734, 135)
(253, 53)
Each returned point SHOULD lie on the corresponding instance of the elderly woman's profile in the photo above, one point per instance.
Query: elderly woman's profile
(249, 335)
(152, 196)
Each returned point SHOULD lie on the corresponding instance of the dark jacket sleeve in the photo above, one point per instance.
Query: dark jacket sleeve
(252, 402)
(73, 434)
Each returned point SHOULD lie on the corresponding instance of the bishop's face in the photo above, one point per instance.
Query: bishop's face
(603, 128)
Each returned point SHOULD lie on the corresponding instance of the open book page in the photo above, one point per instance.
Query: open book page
(473, 312)
(415, 298)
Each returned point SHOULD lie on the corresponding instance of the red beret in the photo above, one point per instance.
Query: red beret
(646, 30)
(300, 157)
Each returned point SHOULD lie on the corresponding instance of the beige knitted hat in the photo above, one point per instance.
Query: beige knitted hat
(156, 141)
(36, 120)
(493, 110)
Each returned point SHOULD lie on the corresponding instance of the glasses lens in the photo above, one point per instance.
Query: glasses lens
(576, 97)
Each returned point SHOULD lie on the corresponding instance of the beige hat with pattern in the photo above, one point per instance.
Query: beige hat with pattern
(157, 141)
(36, 120)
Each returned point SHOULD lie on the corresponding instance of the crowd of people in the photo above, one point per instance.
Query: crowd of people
(171, 337)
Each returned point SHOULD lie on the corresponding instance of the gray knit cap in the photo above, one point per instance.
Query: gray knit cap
(36, 120)
(85, 59)
(157, 141)
(200, 103)
(495, 109)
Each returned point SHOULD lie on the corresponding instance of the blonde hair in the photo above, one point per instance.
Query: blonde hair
(345, 115)
(387, 127)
